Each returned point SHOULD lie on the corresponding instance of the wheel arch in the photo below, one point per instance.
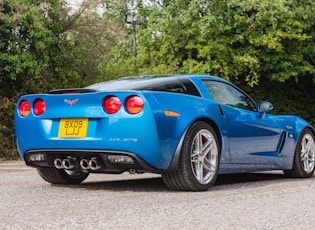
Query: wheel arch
(311, 129)
(214, 126)
(297, 170)
(177, 153)
(296, 141)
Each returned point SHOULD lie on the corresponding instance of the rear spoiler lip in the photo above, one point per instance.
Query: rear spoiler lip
(72, 91)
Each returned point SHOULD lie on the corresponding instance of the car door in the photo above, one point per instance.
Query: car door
(252, 138)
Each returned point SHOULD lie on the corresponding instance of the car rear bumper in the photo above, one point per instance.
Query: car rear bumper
(107, 161)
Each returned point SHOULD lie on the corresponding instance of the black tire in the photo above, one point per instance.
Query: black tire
(197, 170)
(304, 156)
(61, 176)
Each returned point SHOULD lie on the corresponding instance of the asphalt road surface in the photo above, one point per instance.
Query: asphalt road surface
(243, 201)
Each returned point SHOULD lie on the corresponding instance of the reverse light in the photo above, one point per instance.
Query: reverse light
(111, 104)
(120, 159)
(37, 157)
(134, 104)
(39, 107)
(24, 108)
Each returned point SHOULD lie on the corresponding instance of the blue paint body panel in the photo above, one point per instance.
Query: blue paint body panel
(248, 142)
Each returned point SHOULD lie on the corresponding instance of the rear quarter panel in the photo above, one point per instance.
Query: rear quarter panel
(191, 108)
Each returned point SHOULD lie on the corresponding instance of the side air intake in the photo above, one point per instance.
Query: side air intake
(282, 141)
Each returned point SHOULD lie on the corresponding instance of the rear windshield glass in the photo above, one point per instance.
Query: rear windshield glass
(174, 85)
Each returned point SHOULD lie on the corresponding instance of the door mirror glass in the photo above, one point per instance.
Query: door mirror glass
(264, 107)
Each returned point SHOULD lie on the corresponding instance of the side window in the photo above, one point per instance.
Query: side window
(184, 86)
(227, 94)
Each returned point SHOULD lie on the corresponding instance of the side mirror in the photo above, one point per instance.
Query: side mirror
(264, 107)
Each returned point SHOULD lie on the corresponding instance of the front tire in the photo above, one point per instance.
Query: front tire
(199, 160)
(61, 176)
(304, 157)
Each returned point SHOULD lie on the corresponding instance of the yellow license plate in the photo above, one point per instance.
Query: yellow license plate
(73, 127)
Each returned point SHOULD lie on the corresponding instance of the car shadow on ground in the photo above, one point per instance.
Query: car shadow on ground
(228, 179)
(223, 182)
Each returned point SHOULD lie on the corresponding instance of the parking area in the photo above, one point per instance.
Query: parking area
(243, 201)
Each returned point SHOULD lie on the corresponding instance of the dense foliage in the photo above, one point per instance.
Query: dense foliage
(32, 46)
(266, 47)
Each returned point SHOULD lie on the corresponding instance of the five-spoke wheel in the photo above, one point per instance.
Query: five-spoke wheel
(304, 158)
(199, 160)
(204, 156)
(308, 153)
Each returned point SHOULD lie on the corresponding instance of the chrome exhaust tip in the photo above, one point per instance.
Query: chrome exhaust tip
(94, 164)
(58, 163)
(84, 163)
(68, 163)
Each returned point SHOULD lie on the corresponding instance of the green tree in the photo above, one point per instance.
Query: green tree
(241, 40)
(32, 47)
(95, 38)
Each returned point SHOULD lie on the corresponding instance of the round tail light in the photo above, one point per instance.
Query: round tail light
(134, 104)
(24, 108)
(111, 104)
(39, 107)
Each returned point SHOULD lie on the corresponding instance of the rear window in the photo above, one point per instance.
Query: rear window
(164, 84)
(184, 86)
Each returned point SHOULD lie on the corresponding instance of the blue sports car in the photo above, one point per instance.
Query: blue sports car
(188, 128)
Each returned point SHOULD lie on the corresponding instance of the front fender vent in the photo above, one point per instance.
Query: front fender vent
(283, 139)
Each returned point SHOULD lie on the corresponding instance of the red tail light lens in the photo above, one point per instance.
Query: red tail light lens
(111, 104)
(39, 107)
(24, 108)
(134, 104)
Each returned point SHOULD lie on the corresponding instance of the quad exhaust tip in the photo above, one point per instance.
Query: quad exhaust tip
(84, 163)
(58, 163)
(72, 163)
(94, 164)
(68, 163)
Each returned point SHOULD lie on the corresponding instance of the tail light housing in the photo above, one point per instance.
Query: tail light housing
(24, 108)
(134, 104)
(39, 107)
(111, 104)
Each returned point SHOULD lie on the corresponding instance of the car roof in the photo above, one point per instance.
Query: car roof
(132, 82)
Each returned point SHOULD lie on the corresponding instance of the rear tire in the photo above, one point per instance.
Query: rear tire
(61, 176)
(304, 156)
(199, 160)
